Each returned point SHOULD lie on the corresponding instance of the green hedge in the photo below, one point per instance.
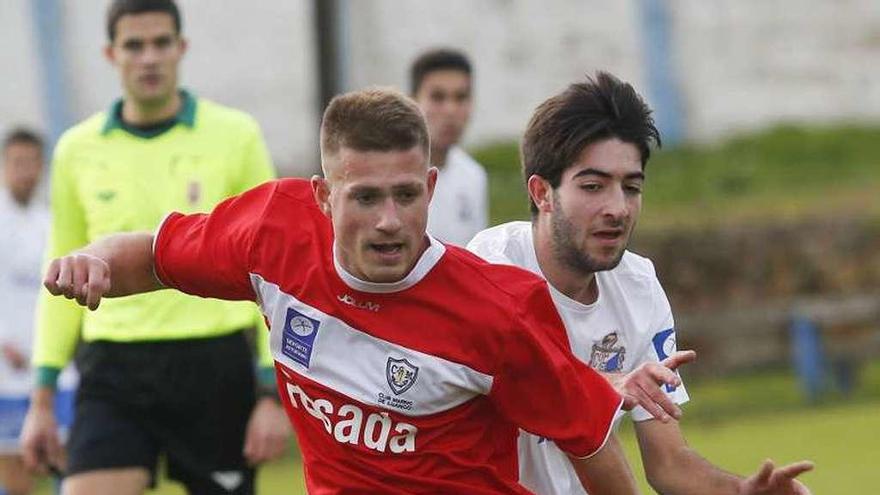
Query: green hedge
(786, 171)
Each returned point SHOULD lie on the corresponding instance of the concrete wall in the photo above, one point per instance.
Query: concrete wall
(748, 63)
(256, 56)
(739, 64)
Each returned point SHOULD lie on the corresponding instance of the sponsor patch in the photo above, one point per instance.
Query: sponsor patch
(299, 336)
(664, 345)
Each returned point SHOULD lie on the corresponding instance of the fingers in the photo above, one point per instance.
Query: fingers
(50, 280)
(98, 285)
(795, 469)
(679, 358)
(78, 276)
(265, 446)
(54, 453)
(763, 475)
(657, 403)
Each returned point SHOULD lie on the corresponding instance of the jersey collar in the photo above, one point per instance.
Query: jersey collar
(186, 116)
(426, 262)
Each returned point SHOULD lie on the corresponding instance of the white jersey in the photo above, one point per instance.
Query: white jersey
(629, 324)
(459, 208)
(21, 256)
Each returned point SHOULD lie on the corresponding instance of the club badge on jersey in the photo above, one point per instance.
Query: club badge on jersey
(299, 336)
(607, 356)
(401, 375)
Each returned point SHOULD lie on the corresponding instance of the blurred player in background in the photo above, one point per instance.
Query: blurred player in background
(406, 365)
(584, 155)
(441, 81)
(161, 373)
(25, 221)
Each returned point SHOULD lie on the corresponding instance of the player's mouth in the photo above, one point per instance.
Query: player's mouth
(150, 80)
(387, 251)
(609, 236)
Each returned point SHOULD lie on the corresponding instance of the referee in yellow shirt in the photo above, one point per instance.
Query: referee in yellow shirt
(162, 373)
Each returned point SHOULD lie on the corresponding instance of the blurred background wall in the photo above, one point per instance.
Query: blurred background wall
(708, 67)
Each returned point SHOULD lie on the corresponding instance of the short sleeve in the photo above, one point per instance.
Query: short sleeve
(661, 346)
(544, 389)
(209, 255)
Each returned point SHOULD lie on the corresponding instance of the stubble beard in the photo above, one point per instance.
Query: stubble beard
(569, 254)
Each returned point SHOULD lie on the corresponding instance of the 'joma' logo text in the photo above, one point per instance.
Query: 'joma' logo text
(369, 306)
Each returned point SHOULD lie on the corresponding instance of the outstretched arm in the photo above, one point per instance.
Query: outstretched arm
(115, 266)
(672, 467)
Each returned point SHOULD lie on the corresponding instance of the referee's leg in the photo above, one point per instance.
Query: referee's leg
(115, 481)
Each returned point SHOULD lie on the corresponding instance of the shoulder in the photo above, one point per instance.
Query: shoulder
(465, 163)
(220, 116)
(83, 133)
(503, 285)
(506, 243)
(635, 267)
(636, 279)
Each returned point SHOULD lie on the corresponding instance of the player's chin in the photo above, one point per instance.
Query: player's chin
(387, 274)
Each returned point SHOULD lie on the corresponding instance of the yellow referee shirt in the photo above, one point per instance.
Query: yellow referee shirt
(109, 178)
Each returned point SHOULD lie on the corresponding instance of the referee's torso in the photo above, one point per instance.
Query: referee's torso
(112, 179)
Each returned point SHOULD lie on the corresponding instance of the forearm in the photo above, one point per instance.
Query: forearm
(688, 473)
(606, 472)
(43, 398)
(130, 258)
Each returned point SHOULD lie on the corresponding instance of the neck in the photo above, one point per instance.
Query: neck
(140, 113)
(578, 286)
(438, 157)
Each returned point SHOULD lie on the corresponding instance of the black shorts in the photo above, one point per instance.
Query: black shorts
(187, 399)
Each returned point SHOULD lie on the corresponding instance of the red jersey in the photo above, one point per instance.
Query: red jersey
(416, 386)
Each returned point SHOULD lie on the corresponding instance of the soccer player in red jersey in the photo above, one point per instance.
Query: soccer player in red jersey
(405, 365)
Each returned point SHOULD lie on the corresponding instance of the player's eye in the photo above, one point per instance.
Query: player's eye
(163, 42)
(633, 188)
(133, 46)
(366, 199)
(591, 187)
(406, 197)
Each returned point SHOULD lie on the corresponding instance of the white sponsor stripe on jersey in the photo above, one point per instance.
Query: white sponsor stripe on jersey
(356, 364)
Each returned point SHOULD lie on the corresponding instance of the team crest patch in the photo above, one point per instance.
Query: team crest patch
(607, 356)
(299, 336)
(401, 375)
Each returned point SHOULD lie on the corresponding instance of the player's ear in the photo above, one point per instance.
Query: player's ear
(182, 45)
(321, 191)
(432, 182)
(108, 53)
(541, 193)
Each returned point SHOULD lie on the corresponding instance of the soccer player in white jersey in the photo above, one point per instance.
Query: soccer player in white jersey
(584, 156)
(441, 81)
(25, 221)
(405, 365)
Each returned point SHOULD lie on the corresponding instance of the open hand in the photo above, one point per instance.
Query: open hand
(770, 480)
(641, 387)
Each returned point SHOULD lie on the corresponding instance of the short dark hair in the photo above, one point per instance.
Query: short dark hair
(120, 8)
(374, 119)
(586, 112)
(22, 135)
(434, 60)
